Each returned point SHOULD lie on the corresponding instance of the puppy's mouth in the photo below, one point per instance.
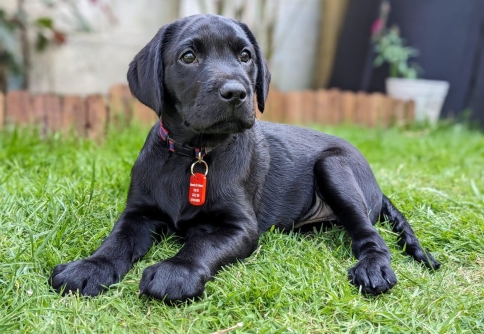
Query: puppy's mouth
(225, 126)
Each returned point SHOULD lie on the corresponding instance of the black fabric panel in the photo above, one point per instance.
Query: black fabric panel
(476, 104)
(354, 44)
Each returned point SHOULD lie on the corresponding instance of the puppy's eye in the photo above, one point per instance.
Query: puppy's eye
(245, 56)
(188, 57)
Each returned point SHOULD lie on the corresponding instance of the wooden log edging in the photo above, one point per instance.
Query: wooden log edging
(332, 107)
(91, 116)
(2, 110)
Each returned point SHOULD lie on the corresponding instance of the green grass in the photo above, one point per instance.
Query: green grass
(60, 197)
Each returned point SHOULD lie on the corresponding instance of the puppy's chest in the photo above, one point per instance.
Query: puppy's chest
(172, 196)
(172, 189)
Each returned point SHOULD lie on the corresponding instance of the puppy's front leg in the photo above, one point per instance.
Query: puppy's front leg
(207, 248)
(131, 238)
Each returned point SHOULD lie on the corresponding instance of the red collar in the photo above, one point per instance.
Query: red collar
(180, 149)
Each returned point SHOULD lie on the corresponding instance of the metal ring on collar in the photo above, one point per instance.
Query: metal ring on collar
(198, 162)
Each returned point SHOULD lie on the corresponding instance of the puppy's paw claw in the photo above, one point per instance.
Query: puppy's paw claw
(89, 276)
(173, 281)
(374, 276)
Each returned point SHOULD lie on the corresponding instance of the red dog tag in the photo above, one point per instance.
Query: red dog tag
(197, 189)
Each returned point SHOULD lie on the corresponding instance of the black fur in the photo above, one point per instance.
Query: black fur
(260, 174)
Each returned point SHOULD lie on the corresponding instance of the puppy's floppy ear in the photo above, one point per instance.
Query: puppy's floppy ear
(145, 73)
(263, 76)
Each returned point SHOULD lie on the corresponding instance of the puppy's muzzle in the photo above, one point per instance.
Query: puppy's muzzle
(233, 93)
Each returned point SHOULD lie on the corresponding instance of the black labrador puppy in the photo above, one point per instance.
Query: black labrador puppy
(214, 175)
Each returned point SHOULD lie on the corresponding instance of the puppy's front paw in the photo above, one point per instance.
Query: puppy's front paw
(173, 280)
(373, 274)
(89, 276)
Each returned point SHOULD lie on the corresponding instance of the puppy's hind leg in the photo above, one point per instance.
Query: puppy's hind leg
(407, 239)
(339, 176)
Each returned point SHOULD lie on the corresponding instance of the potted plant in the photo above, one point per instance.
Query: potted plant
(403, 82)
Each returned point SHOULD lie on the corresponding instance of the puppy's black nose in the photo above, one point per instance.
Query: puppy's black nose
(233, 93)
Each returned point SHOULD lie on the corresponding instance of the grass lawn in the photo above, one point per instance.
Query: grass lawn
(59, 198)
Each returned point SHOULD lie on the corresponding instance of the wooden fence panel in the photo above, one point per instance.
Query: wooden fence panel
(293, 107)
(270, 108)
(46, 113)
(348, 107)
(120, 106)
(2, 110)
(335, 108)
(18, 107)
(144, 114)
(74, 114)
(308, 107)
(97, 115)
(322, 112)
(277, 109)
(376, 110)
(362, 108)
(388, 116)
(399, 107)
(410, 111)
(283, 107)
(54, 113)
(38, 115)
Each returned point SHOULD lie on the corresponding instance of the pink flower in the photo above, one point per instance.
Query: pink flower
(377, 26)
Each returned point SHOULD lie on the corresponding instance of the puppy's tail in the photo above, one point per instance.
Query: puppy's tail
(407, 239)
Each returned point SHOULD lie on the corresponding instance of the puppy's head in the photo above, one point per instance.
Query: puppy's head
(206, 69)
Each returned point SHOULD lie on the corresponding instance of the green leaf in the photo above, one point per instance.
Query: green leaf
(379, 60)
(45, 22)
(41, 42)
(390, 48)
